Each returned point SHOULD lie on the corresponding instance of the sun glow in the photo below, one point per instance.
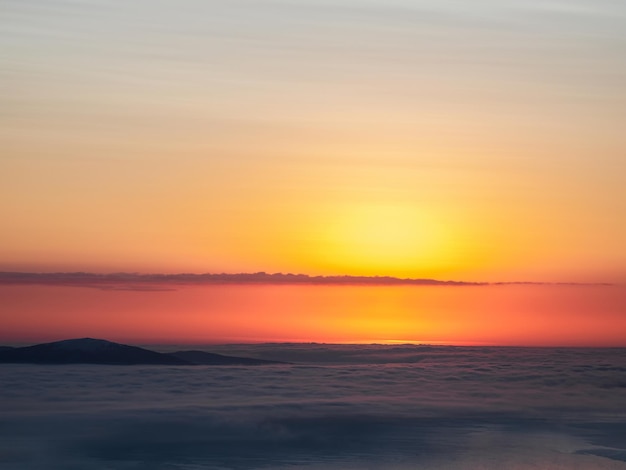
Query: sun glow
(387, 239)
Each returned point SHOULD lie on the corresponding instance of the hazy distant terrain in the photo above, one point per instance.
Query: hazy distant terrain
(98, 351)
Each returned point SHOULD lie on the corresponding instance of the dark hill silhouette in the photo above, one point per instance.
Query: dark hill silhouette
(99, 351)
(87, 351)
(205, 358)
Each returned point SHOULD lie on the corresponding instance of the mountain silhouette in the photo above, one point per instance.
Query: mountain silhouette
(100, 351)
(205, 358)
(86, 351)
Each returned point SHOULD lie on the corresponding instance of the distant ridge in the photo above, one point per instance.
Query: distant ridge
(138, 281)
(86, 351)
(205, 358)
(99, 351)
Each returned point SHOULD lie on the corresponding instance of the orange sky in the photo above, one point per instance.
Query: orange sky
(400, 138)
(449, 140)
(465, 315)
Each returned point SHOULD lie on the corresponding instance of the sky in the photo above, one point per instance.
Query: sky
(472, 141)
(479, 141)
(203, 315)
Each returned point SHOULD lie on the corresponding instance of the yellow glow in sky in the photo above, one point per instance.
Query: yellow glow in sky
(373, 239)
(421, 139)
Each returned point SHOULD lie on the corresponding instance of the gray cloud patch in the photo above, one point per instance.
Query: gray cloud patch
(156, 282)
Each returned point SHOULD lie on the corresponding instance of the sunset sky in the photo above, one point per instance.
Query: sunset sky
(473, 140)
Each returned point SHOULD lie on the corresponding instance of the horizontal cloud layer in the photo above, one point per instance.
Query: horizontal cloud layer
(155, 282)
(463, 408)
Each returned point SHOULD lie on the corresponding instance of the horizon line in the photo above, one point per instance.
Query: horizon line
(369, 342)
(92, 279)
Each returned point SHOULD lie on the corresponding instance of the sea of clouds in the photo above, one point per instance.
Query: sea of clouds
(338, 407)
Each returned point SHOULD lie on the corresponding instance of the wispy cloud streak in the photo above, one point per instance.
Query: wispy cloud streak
(149, 282)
